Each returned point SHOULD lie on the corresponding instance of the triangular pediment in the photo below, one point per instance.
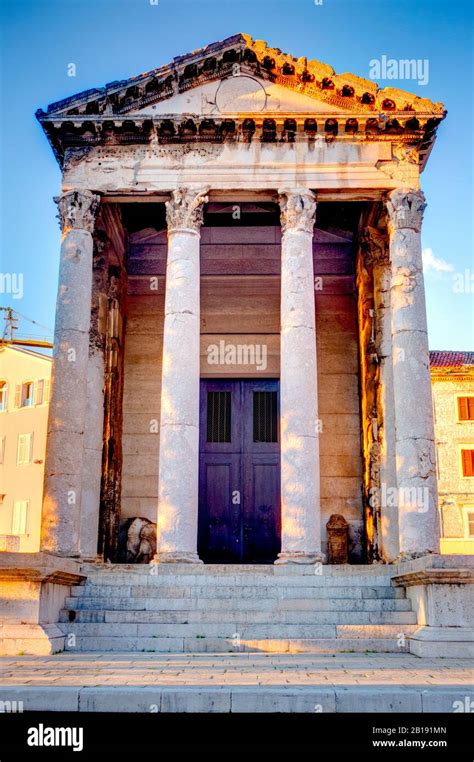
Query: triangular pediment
(241, 57)
(240, 94)
(218, 92)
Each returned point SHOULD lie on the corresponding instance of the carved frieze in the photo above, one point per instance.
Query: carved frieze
(114, 113)
(374, 247)
(404, 166)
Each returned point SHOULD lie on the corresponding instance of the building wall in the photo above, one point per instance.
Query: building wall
(456, 492)
(245, 306)
(22, 482)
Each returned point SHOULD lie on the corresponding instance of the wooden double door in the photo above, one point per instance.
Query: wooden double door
(239, 472)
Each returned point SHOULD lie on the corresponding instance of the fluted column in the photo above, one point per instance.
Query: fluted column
(415, 451)
(300, 474)
(179, 423)
(60, 527)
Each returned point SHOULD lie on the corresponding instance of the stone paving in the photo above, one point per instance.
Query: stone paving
(240, 682)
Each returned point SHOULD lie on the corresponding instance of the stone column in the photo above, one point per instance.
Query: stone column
(300, 489)
(178, 487)
(60, 527)
(94, 419)
(414, 447)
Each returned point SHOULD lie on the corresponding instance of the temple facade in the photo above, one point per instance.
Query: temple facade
(236, 205)
(241, 353)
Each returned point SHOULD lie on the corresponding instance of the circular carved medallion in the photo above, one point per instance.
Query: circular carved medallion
(241, 94)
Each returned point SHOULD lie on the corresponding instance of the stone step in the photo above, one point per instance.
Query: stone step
(223, 645)
(231, 568)
(323, 624)
(231, 611)
(310, 603)
(283, 570)
(233, 592)
(239, 580)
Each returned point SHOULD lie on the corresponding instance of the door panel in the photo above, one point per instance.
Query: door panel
(239, 490)
(261, 472)
(261, 509)
(219, 520)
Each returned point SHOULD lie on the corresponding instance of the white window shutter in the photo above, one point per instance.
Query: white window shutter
(17, 395)
(20, 454)
(39, 392)
(20, 509)
(46, 390)
(25, 449)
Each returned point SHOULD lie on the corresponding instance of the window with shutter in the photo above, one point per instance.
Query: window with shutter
(470, 524)
(24, 451)
(3, 395)
(27, 394)
(467, 457)
(39, 396)
(19, 518)
(466, 408)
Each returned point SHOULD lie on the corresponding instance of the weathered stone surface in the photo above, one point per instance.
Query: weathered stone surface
(235, 682)
(60, 532)
(418, 518)
(300, 488)
(179, 421)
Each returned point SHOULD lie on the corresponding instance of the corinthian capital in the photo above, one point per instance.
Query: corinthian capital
(374, 247)
(297, 209)
(77, 210)
(185, 209)
(405, 209)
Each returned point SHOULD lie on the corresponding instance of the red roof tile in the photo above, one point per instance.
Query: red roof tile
(447, 359)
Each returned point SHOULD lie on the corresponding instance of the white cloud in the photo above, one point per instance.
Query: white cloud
(430, 262)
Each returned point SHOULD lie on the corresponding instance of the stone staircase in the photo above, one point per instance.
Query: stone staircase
(230, 608)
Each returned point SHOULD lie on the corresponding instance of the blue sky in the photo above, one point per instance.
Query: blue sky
(116, 39)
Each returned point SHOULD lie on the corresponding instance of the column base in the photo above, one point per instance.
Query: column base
(176, 558)
(300, 557)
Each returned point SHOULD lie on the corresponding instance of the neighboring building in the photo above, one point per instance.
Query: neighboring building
(452, 378)
(24, 402)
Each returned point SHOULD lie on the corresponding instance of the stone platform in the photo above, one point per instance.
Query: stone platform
(239, 682)
(195, 608)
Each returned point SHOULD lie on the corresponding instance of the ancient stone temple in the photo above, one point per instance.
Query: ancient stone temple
(241, 345)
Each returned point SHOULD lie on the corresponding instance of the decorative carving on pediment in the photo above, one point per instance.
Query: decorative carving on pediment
(185, 209)
(240, 55)
(77, 210)
(405, 207)
(297, 210)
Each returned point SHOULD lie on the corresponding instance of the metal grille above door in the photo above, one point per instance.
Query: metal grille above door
(219, 416)
(265, 417)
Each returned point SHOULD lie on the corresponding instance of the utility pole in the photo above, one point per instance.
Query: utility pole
(11, 325)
